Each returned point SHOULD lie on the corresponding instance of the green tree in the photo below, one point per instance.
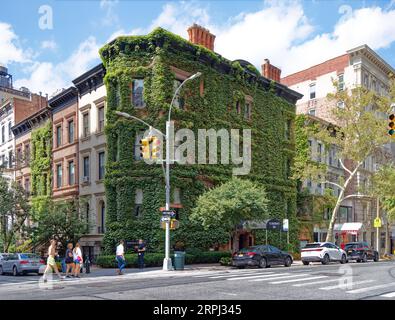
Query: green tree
(231, 203)
(14, 212)
(360, 132)
(60, 220)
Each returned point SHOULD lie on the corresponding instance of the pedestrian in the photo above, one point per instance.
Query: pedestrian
(141, 251)
(51, 263)
(69, 260)
(77, 257)
(120, 257)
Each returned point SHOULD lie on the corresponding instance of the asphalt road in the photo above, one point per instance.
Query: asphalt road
(352, 281)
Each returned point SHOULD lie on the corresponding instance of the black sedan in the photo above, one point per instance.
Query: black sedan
(262, 256)
(360, 251)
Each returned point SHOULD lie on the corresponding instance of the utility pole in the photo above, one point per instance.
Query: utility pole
(378, 228)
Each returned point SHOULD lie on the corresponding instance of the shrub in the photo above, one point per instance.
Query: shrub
(226, 261)
(156, 259)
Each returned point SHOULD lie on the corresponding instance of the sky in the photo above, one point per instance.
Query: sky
(47, 43)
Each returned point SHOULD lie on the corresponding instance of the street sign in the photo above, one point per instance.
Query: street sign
(168, 213)
(165, 219)
(273, 224)
(285, 224)
(377, 223)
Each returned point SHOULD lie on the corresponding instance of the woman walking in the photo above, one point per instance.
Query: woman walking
(69, 260)
(77, 256)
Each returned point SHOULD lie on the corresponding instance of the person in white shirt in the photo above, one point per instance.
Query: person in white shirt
(120, 257)
(77, 257)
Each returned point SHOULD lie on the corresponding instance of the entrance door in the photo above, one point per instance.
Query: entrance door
(241, 241)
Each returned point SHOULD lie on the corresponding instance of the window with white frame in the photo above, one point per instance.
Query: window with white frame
(312, 91)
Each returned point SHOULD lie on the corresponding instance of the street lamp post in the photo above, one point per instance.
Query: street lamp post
(167, 265)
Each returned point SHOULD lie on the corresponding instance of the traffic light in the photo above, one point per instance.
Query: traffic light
(144, 149)
(155, 150)
(391, 125)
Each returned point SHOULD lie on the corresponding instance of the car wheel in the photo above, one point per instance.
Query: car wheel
(14, 271)
(358, 260)
(376, 257)
(240, 267)
(325, 260)
(288, 262)
(263, 263)
(365, 258)
(306, 263)
(343, 259)
(1, 271)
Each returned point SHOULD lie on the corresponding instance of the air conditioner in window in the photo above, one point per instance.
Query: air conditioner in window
(85, 179)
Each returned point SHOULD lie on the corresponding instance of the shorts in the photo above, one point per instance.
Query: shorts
(77, 261)
(51, 261)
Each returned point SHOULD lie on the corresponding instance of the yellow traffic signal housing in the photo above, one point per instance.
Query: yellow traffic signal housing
(144, 149)
(391, 125)
(155, 150)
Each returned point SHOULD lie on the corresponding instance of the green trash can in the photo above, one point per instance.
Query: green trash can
(179, 260)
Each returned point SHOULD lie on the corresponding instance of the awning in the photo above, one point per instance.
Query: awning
(349, 227)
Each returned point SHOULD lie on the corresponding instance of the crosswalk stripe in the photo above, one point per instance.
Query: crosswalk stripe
(388, 295)
(232, 275)
(296, 280)
(254, 277)
(371, 288)
(315, 282)
(241, 272)
(280, 277)
(342, 285)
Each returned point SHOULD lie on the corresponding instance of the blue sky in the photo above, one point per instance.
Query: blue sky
(293, 34)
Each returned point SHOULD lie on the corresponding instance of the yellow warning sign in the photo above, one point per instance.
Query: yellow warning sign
(377, 223)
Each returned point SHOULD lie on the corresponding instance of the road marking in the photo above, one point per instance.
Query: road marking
(388, 295)
(296, 280)
(313, 283)
(232, 275)
(253, 277)
(280, 277)
(371, 288)
(235, 272)
(343, 285)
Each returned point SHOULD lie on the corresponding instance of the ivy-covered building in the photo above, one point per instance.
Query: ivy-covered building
(142, 73)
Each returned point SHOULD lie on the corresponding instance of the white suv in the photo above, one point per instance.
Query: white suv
(323, 252)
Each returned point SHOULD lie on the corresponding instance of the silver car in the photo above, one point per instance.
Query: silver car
(21, 263)
(2, 257)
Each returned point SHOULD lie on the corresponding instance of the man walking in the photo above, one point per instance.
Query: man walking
(141, 251)
(120, 257)
(51, 263)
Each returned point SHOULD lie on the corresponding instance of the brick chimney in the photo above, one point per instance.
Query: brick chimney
(271, 72)
(199, 35)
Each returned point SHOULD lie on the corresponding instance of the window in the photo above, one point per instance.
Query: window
(288, 129)
(178, 101)
(101, 165)
(2, 134)
(247, 111)
(312, 112)
(319, 152)
(58, 136)
(340, 85)
(312, 91)
(27, 185)
(59, 176)
(366, 80)
(9, 130)
(85, 124)
(340, 104)
(27, 153)
(102, 210)
(138, 202)
(101, 119)
(238, 107)
(86, 169)
(177, 195)
(71, 131)
(71, 173)
(19, 156)
(87, 213)
(137, 93)
(10, 159)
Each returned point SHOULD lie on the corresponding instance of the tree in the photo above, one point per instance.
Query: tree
(359, 132)
(231, 203)
(14, 212)
(60, 220)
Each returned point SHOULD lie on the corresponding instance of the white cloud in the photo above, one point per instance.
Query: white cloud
(110, 17)
(48, 77)
(10, 50)
(49, 44)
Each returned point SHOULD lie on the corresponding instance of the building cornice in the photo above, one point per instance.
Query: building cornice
(90, 80)
(63, 99)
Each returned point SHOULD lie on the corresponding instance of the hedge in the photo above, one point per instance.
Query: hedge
(156, 259)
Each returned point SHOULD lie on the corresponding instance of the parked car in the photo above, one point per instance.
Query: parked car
(323, 252)
(262, 256)
(2, 257)
(360, 251)
(21, 263)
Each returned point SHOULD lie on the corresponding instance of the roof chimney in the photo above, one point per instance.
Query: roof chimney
(199, 35)
(271, 72)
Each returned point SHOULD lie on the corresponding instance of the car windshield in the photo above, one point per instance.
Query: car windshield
(29, 256)
(352, 245)
(313, 245)
(249, 249)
